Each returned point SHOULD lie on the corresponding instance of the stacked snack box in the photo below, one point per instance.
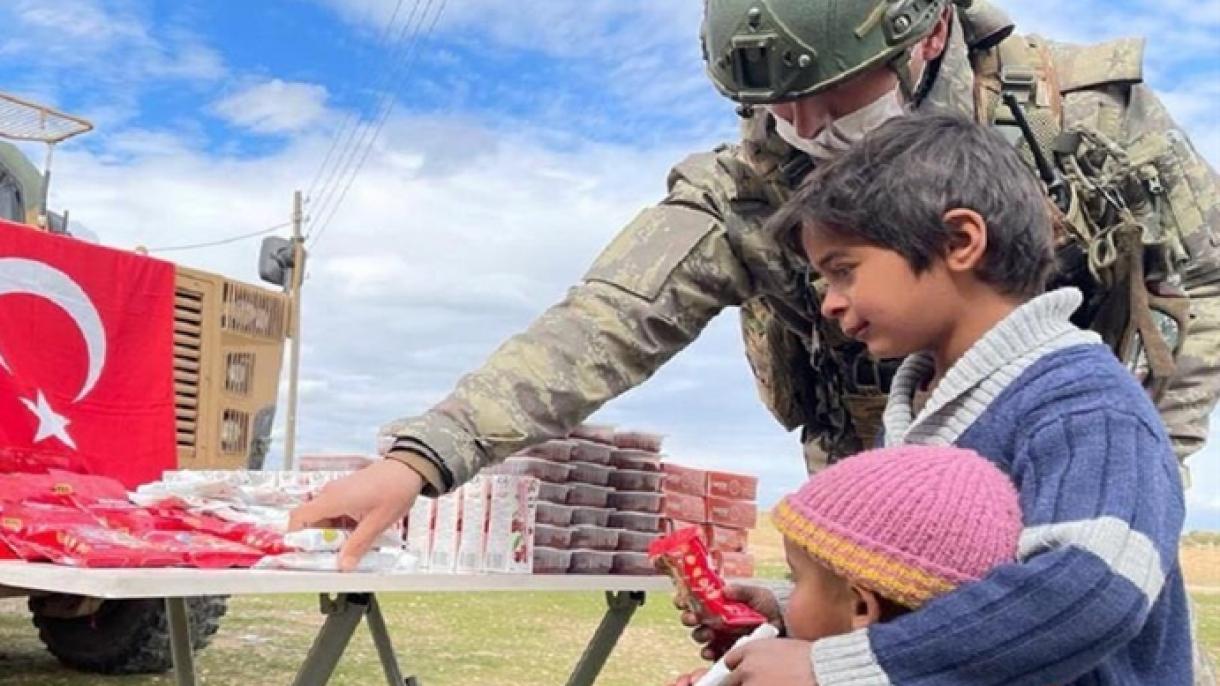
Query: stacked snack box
(487, 525)
(333, 462)
(722, 505)
(599, 503)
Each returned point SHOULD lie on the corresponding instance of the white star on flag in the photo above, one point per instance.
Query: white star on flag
(50, 424)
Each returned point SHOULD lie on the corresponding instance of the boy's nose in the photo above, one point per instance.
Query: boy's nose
(833, 304)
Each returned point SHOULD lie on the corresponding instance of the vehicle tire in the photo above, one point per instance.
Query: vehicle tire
(126, 636)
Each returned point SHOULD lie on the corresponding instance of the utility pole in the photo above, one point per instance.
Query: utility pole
(298, 276)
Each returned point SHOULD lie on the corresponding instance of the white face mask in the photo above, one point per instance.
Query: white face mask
(842, 133)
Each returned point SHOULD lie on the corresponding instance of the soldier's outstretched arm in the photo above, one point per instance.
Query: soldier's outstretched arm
(1193, 193)
(648, 295)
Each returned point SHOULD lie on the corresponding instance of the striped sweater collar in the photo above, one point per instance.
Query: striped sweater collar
(1030, 332)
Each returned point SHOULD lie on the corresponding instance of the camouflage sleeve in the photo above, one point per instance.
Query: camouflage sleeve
(648, 295)
(1193, 192)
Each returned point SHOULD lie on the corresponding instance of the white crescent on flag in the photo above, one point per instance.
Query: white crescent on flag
(30, 277)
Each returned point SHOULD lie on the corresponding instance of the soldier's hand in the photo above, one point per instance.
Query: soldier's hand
(715, 639)
(771, 661)
(377, 497)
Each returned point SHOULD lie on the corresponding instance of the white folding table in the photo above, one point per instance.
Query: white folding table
(346, 598)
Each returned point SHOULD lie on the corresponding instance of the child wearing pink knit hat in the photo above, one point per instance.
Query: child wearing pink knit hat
(881, 534)
(888, 530)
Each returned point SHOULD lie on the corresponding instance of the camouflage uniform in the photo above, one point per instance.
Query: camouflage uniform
(703, 248)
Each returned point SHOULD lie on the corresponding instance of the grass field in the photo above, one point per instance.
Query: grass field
(490, 639)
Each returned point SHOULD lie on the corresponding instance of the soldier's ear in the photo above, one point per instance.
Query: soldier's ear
(967, 239)
(933, 45)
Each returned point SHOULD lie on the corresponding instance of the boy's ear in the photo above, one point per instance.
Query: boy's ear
(967, 239)
(866, 609)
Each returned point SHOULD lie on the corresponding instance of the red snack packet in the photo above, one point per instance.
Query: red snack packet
(38, 531)
(204, 550)
(126, 517)
(684, 557)
(18, 488)
(266, 541)
(83, 489)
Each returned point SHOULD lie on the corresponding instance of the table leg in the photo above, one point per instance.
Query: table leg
(385, 647)
(621, 606)
(180, 641)
(343, 614)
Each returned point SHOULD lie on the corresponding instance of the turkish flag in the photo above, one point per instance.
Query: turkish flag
(86, 358)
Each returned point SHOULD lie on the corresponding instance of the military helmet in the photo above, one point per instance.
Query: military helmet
(768, 51)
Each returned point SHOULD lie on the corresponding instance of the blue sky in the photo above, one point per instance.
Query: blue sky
(522, 136)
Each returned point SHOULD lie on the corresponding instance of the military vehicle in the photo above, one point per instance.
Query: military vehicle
(228, 350)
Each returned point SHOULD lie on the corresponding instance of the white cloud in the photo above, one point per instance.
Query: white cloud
(274, 106)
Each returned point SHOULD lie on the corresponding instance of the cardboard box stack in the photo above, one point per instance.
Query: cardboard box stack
(721, 504)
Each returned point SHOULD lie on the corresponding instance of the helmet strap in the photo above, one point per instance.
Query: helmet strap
(900, 64)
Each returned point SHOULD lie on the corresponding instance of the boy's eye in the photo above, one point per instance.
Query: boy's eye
(839, 271)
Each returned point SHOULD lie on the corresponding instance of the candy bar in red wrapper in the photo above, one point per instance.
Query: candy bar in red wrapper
(267, 541)
(204, 550)
(71, 488)
(20, 488)
(37, 531)
(685, 558)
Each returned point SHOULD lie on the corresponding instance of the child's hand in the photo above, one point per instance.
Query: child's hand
(716, 641)
(690, 678)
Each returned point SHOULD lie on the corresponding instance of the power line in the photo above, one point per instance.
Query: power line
(384, 89)
(380, 123)
(221, 241)
(351, 117)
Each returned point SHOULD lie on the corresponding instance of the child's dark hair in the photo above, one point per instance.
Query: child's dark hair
(893, 189)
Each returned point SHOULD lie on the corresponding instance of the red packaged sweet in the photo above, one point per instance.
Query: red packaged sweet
(83, 489)
(691, 508)
(20, 488)
(679, 479)
(37, 531)
(733, 486)
(725, 539)
(738, 514)
(685, 558)
(128, 518)
(204, 550)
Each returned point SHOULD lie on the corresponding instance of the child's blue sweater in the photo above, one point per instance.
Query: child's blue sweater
(1097, 596)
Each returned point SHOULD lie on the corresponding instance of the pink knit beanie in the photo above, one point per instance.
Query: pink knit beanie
(909, 522)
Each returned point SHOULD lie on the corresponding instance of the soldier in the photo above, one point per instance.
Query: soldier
(1140, 236)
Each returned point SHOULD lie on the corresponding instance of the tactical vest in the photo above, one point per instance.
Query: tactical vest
(1116, 239)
